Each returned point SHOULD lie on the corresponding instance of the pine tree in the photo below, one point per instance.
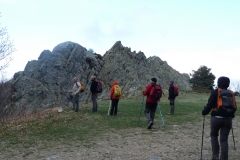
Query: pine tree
(202, 80)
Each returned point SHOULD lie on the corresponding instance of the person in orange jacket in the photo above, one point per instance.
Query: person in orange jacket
(114, 100)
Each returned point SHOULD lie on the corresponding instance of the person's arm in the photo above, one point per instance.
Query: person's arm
(212, 100)
(111, 92)
(91, 87)
(147, 90)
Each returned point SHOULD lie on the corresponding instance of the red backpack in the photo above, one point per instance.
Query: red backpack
(99, 87)
(156, 92)
(176, 91)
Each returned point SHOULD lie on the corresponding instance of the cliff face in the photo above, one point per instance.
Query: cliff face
(38, 87)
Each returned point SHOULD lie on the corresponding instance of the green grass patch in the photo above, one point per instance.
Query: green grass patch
(68, 126)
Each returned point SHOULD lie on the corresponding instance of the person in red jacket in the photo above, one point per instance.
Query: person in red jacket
(114, 100)
(151, 104)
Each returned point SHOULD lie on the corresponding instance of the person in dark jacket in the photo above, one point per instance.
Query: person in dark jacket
(171, 97)
(221, 120)
(93, 89)
(151, 104)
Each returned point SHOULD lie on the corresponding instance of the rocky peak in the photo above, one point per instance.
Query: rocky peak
(41, 83)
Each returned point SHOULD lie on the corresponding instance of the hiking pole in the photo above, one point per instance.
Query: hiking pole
(161, 115)
(109, 107)
(202, 136)
(233, 140)
(141, 110)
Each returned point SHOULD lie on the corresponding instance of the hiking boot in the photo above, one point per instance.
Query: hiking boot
(150, 125)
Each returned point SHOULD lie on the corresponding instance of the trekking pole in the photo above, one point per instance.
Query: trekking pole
(233, 140)
(141, 110)
(161, 115)
(109, 107)
(202, 136)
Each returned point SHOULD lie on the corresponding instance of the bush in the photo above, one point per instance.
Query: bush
(236, 94)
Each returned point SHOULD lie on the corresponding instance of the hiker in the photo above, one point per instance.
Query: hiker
(93, 90)
(115, 93)
(151, 104)
(75, 94)
(171, 97)
(221, 118)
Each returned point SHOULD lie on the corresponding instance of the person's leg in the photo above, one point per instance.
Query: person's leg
(224, 132)
(153, 111)
(116, 107)
(112, 108)
(147, 112)
(72, 100)
(216, 124)
(172, 106)
(94, 102)
(76, 103)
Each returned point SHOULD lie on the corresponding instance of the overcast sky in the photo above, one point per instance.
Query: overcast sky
(185, 33)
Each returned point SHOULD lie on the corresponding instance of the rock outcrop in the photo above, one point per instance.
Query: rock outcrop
(45, 82)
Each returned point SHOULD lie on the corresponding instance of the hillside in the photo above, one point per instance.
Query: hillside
(85, 135)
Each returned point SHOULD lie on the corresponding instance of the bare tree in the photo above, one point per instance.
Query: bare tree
(6, 48)
(235, 86)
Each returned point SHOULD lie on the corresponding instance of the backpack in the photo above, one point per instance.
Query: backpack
(226, 100)
(99, 87)
(156, 92)
(82, 86)
(175, 91)
(117, 91)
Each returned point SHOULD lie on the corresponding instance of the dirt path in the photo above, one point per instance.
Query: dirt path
(183, 142)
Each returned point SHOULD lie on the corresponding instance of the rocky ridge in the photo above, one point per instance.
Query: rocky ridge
(44, 82)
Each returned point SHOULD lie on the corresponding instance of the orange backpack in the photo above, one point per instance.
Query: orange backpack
(226, 100)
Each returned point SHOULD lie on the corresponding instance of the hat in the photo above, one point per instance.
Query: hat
(154, 80)
(171, 82)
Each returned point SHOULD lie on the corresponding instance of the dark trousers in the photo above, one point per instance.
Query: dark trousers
(114, 107)
(94, 101)
(223, 125)
(172, 106)
(150, 110)
(75, 102)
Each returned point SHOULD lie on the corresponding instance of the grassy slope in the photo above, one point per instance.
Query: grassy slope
(83, 125)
